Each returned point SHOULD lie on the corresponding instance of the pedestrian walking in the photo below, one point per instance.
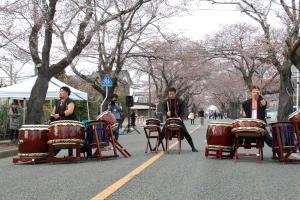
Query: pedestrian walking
(201, 115)
(14, 120)
(192, 117)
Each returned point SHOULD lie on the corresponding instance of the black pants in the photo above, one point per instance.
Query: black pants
(192, 121)
(14, 134)
(184, 134)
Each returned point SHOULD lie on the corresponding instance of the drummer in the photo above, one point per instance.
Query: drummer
(65, 108)
(255, 108)
(174, 107)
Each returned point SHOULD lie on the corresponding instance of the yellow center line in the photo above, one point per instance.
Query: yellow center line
(121, 182)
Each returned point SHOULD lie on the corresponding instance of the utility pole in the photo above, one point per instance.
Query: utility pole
(10, 74)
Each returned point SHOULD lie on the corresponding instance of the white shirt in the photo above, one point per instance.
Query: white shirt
(254, 114)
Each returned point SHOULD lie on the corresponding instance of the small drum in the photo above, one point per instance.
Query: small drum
(66, 133)
(174, 124)
(248, 122)
(33, 141)
(107, 117)
(152, 124)
(218, 135)
(286, 132)
(153, 121)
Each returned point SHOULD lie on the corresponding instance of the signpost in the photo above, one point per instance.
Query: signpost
(106, 82)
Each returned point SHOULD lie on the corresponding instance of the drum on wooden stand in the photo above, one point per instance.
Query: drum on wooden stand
(32, 143)
(252, 131)
(152, 131)
(108, 117)
(173, 129)
(295, 118)
(219, 139)
(66, 134)
(284, 141)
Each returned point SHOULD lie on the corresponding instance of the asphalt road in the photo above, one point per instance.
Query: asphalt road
(174, 176)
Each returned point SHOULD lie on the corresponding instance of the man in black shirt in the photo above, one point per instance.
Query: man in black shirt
(65, 108)
(174, 107)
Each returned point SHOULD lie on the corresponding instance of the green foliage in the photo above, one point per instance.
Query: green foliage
(3, 119)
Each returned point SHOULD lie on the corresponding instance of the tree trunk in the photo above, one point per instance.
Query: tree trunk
(234, 110)
(35, 113)
(285, 94)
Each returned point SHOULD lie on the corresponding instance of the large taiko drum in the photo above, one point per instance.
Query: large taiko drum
(66, 133)
(218, 135)
(107, 117)
(248, 122)
(33, 141)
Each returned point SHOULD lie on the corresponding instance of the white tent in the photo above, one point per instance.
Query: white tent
(22, 91)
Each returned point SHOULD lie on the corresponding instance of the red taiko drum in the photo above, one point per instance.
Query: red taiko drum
(248, 122)
(107, 117)
(66, 133)
(33, 141)
(218, 135)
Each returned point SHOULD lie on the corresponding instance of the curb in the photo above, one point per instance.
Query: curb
(8, 153)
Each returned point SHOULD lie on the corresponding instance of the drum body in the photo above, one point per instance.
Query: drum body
(33, 141)
(286, 135)
(102, 130)
(66, 133)
(107, 117)
(248, 122)
(218, 135)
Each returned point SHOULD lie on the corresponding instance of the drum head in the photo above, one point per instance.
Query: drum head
(34, 127)
(249, 120)
(153, 121)
(66, 122)
(224, 124)
(248, 130)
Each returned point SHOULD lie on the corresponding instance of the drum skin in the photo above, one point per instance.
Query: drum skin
(248, 122)
(33, 140)
(107, 117)
(64, 130)
(219, 134)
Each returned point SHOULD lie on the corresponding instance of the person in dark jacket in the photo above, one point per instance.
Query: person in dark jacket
(255, 108)
(174, 107)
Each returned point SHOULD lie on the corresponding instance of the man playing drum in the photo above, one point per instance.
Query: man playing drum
(174, 107)
(255, 108)
(65, 108)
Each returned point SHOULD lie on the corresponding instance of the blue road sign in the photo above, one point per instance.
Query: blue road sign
(106, 82)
